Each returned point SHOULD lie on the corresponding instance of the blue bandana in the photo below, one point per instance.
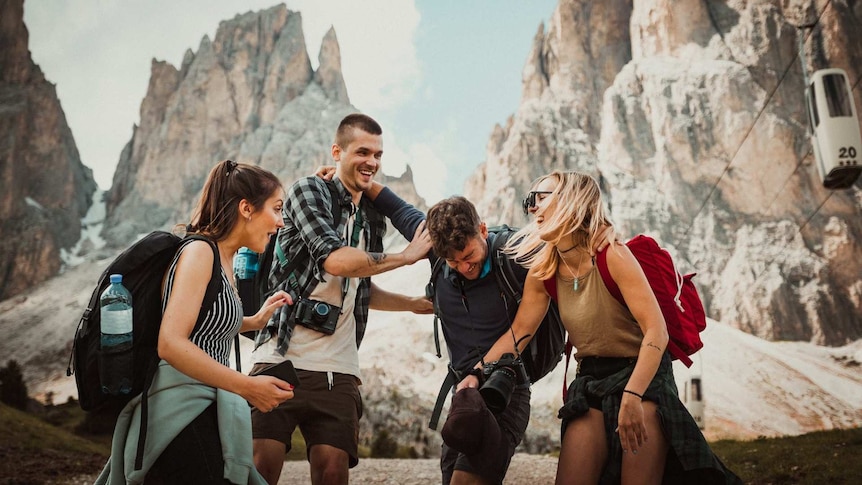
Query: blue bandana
(486, 266)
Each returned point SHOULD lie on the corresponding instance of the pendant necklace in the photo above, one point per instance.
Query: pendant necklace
(576, 281)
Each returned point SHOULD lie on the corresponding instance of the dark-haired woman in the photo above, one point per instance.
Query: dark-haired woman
(199, 425)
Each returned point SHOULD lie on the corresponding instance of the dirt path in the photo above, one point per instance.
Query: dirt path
(525, 469)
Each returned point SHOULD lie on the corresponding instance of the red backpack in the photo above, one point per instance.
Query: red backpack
(676, 295)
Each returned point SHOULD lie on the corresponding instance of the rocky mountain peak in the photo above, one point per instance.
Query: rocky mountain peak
(250, 95)
(534, 78)
(671, 28)
(328, 74)
(692, 116)
(44, 188)
(16, 67)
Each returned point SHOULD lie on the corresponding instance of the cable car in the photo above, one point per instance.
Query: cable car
(834, 128)
(693, 400)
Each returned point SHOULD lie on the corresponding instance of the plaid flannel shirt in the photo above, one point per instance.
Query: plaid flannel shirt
(308, 222)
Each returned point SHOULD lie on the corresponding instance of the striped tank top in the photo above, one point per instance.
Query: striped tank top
(218, 323)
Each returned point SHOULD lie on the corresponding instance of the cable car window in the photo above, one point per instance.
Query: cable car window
(837, 97)
(813, 115)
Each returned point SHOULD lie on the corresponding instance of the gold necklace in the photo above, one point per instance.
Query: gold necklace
(576, 281)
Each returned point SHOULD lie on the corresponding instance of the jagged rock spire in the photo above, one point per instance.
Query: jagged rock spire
(534, 77)
(328, 74)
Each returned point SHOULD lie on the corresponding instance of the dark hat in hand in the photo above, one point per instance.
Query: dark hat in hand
(470, 427)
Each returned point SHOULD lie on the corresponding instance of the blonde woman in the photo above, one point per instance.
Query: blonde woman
(622, 421)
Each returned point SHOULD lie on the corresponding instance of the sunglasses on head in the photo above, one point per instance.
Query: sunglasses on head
(530, 200)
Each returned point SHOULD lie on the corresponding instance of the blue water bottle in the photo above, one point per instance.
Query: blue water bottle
(245, 266)
(116, 353)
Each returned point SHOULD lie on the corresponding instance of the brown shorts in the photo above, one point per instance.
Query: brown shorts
(326, 415)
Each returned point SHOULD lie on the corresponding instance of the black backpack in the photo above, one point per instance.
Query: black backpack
(544, 351)
(143, 266)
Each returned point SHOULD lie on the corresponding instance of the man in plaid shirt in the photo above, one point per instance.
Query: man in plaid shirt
(321, 333)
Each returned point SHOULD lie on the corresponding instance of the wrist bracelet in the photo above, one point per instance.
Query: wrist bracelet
(634, 394)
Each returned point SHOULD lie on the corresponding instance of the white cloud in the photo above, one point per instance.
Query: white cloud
(429, 171)
(430, 154)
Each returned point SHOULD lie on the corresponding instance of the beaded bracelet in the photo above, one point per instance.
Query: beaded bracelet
(634, 394)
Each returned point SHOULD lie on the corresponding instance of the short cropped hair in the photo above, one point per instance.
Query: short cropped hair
(344, 134)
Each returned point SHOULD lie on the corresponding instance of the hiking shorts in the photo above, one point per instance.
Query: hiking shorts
(492, 466)
(326, 414)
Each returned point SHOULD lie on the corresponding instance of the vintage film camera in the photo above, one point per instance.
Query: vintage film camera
(501, 378)
(317, 315)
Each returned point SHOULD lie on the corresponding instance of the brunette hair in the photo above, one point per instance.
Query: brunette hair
(344, 134)
(451, 224)
(227, 184)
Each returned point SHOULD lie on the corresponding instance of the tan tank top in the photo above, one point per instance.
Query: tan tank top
(597, 323)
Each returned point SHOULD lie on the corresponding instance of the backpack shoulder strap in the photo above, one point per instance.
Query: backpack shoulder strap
(213, 286)
(551, 287)
(506, 278)
(602, 266)
(431, 293)
(336, 202)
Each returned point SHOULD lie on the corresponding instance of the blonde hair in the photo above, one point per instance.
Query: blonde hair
(574, 214)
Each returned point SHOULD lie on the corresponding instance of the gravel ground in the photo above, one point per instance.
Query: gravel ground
(525, 469)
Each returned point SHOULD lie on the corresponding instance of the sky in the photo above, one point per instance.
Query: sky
(437, 74)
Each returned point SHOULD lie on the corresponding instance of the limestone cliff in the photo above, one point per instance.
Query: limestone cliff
(249, 95)
(692, 116)
(44, 188)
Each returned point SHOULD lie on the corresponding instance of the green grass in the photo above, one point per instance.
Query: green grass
(34, 451)
(823, 457)
(31, 433)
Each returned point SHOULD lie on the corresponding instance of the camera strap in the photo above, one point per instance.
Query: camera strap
(355, 237)
(498, 260)
(452, 378)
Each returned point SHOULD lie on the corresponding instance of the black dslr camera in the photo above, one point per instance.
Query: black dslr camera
(501, 378)
(317, 315)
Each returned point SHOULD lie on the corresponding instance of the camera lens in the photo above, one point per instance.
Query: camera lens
(320, 311)
(497, 390)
